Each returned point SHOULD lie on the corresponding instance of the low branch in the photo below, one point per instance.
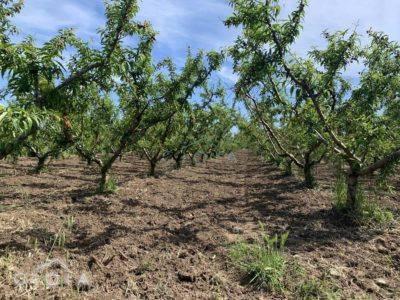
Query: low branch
(380, 164)
(88, 156)
(9, 148)
(272, 134)
(147, 154)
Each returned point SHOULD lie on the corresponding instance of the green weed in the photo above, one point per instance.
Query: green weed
(110, 187)
(367, 211)
(316, 289)
(262, 262)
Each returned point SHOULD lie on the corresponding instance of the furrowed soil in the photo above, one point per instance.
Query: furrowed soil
(168, 237)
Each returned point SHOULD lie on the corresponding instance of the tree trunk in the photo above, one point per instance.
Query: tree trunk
(178, 162)
(277, 163)
(193, 160)
(288, 171)
(352, 190)
(41, 164)
(308, 169)
(152, 169)
(309, 179)
(104, 180)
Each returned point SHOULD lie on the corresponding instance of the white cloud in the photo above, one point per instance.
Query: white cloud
(227, 73)
(182, 23)
(43, 18)
(166, 17)
(199, 23)
(335, 15)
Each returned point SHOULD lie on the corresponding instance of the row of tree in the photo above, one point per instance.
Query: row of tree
(305, 109)
(112, 98)
(101, 101)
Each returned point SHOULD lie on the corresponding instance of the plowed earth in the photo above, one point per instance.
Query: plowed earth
(168, 237)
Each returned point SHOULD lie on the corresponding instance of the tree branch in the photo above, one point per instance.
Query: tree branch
(272, 134)
(395, 155)
(313, 96)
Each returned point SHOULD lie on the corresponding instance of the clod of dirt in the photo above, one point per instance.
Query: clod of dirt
(183, 254)
(382, 249)
(186, 277)
(370, 286)
(94, 261)
(78, 199)
(83, 283)
(381, 282)
(217, 280)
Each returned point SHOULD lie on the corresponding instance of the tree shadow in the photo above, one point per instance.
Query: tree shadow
(285, 207)
(279, 202)
(13, 246)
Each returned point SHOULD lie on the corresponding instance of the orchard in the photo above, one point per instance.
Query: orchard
(123, 174)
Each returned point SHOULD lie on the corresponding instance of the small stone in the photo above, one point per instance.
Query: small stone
(83, 283)
(381, 282)
(190, 216)
(185, 277)
(237, 230)
(371, 287)
(335, 273)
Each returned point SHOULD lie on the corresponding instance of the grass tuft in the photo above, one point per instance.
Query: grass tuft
(110, 187)
(262, 262)
(316, 289)
(265, 265)
(367, 211)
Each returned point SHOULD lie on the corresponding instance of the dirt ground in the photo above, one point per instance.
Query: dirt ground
(168, 237)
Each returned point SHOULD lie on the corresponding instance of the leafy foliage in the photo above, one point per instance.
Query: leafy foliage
(16, 125)
(66, 95)
(103, 100)
(354, 120)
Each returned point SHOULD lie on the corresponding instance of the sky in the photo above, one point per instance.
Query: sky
(199, 23)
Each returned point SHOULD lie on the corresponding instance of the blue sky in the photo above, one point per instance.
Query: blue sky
(199, 23)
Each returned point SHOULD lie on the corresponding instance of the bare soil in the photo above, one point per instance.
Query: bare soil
(168, 237)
